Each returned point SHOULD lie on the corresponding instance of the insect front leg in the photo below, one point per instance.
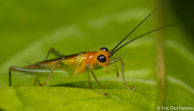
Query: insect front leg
(114, 69)
(55, 52)
(99, 85)
(123, 73)
(105, 69)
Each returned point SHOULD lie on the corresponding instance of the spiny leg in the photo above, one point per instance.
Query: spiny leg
(51, 72)
(55, 52)
(99, 85)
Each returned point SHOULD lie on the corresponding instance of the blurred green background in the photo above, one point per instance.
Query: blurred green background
(28, 29)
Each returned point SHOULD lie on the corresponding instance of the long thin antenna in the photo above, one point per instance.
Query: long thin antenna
(138, 25)
(142, 35)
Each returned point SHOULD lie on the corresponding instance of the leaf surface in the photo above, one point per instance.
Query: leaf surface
(30, 28)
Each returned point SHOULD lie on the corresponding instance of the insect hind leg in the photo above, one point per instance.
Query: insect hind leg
(21, 69)
(54, 52)
(12, 68)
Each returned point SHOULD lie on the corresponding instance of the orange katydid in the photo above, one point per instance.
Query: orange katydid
(79, 63)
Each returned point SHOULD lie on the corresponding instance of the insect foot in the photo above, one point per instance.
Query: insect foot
(130, 88)
(105, 94)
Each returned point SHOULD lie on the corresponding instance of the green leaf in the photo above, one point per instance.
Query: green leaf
(159, 66)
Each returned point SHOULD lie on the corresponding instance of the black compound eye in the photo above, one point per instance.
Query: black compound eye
(102, 58)
(104, 49)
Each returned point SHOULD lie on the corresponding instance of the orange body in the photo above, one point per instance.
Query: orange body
(78, 62)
